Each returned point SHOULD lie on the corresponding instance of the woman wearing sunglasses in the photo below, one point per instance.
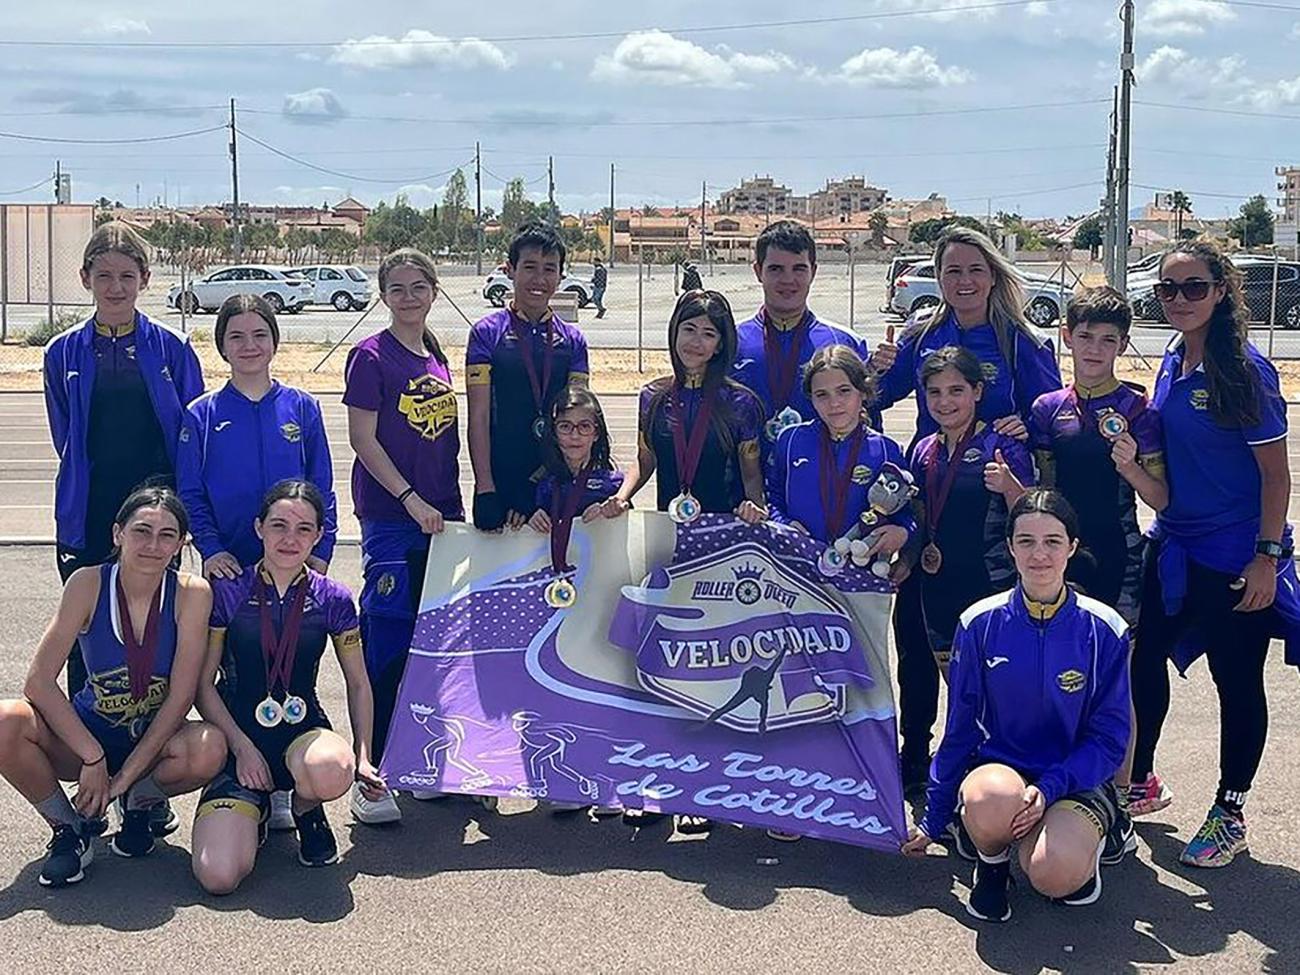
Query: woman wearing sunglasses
(1220, 578)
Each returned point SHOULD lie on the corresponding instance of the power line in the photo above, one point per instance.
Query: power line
(141, 110)
(529, 38)
(677, 122)
(22, 137)
(1222, 196)
(1019, 193)
(342, 175)
(1215, 111)
(27, 189)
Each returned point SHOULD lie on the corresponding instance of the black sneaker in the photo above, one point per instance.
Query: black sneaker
(916, 775)
(956, 837)
(316, 844)
(134, 839)
(1121, 840)
(988, 895)
(70, 853)
(163, 819)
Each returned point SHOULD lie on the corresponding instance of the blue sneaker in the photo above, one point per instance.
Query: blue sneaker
(1221, 837)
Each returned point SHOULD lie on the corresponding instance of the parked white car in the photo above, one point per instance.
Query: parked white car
(498, 285)
(283, 291)
(344, 287)
(917, 288)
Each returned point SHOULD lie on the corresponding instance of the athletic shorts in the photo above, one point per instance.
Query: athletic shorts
(226, 792)
(118, 741)
(1100, 806)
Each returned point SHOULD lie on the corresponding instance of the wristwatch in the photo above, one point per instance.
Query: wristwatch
(1269, 548)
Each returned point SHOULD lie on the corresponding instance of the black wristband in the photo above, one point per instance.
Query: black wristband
(1273, 550)
(401, 498)
(102, 757)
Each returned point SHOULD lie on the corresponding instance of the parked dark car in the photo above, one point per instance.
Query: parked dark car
(1257, 274)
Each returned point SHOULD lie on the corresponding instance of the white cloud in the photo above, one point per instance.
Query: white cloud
(421, 48)
(307, 195)
(658, 58)
(1197, 77)
(885, 67)
(314, 106)
(1172, 17)
(1037, 9)
(1280, 93)
(117, 26)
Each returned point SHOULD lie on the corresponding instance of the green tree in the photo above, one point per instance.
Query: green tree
(1181, 204)
(338, 244)
(1088, 235)
(928, 231)
(1255, 225)
(516, 208)
(878, 223)
(391, 227)
(456, 215)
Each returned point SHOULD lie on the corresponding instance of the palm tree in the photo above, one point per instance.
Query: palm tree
(1181, 204)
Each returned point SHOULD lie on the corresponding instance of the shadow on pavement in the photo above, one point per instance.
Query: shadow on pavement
(1145, 916)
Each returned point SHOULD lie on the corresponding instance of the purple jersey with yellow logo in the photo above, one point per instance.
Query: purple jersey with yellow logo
(413, 396)
(1074, 456)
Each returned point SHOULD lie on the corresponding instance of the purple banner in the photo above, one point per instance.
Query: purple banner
(706, 669)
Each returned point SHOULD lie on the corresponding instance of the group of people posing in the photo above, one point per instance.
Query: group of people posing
(1023, 578)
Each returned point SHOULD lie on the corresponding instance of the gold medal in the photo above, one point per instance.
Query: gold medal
(1112, 424)
(561, 594)
(931, 558)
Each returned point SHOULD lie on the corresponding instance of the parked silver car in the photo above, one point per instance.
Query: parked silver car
(283, 291)
(917, 288)
(344, 287)
(498, 285)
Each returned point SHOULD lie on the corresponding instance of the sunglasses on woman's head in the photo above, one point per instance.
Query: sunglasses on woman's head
(1193, 289)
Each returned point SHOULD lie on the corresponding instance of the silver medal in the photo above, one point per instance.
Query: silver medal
(294, 709)
(683, 509)
(269, 712)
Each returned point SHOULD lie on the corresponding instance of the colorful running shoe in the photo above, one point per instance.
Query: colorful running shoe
(1145, 798)
(1220, 838)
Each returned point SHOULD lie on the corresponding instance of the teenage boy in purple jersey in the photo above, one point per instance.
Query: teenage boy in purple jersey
(774, 346)
(517, 360)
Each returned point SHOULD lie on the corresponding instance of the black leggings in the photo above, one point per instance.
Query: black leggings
(1236, 647)
(918, 675)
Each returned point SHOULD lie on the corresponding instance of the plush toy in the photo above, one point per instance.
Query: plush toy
(889, 493)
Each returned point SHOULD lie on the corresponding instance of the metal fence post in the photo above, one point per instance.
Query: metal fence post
(853, 264)
(4, 274)
(1272, 304)
(640, 309)
(49, 262)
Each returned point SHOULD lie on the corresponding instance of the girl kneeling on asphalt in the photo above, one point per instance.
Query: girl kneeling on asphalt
(139, 627)
(1038, 722)
(268, 632)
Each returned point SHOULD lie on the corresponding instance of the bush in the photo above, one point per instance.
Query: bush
(46, 330)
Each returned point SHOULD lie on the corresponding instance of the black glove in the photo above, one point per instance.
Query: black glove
(489, 511)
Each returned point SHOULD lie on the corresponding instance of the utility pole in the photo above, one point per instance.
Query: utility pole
(704, 190)
(1108, 204)
(1120, 280)
(550, 182)
(478, 210)
(58, 182)
(611, 214)
(236, 244)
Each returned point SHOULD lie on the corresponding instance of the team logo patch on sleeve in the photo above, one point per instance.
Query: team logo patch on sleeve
(989, 371)
(429, 406)
(1199, 398)
(386, 584)
(291, 432)
(861, 474)
(1071, 681)
(973, 456)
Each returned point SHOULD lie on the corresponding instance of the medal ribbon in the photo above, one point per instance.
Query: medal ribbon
(525, 342)
(782, 366)
(936, 495)
(140, 655)
(279, 654)
(564, 506)
(688, 452)
(834, 483)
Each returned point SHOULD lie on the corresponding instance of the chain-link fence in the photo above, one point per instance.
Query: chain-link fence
(40, 255)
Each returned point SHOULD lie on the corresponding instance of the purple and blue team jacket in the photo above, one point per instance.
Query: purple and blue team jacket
(172, 375)
(794, 478)
(1048, 697)
(234, 450)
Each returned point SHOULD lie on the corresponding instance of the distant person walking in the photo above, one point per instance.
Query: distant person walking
(599, 278)
(691, 280)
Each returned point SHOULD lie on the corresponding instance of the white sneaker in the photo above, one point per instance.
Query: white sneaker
(427, 795)
(374, 812)
(281, 811)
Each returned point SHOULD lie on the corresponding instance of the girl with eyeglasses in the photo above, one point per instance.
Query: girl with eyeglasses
(1219, 578)
(577, 453)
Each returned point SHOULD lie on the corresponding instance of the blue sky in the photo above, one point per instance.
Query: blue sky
(1003, 106)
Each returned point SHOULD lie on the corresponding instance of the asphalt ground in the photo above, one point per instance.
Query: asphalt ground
(455, 887)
